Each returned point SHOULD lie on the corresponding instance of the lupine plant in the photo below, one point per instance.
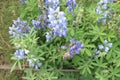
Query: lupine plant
(49, 39)
(104, 10)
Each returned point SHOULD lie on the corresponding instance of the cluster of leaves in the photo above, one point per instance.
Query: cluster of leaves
(83, 25)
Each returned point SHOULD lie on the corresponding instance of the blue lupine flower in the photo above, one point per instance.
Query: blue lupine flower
(36, 24)
(103, 48)
(107, 44)
(56, 20)
(106, 14)
(79, 46)
(97, 52)
(19, 29)
(98, 10)
(106, 49)
(72, 41)
(100, 47)
(57, 24)
(105, 18)
(105, 2)
(21, 53)
(74, 48)
(23, 2)
(108, 1)
(43, 19)
(71, 4)
(64, 47)
(34, 63)
(104, 6)
(103, 10)
(52, 3)
(49, 36)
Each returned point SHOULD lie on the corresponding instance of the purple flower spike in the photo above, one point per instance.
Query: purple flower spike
(36, 24)
(19, 28)
(57, 23)
(103, 9)
(71, 4)
(20, 54)
(104, 48)
(34, 63)
(74, 48)
(52, 3)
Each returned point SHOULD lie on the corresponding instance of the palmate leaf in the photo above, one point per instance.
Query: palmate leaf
(114, 72)
(97, 33)
(76, 59)
(117, 63)
(30, 75)
(100, 63)
(44, 74)
(102, 54)
(85, 67)
(101, 39)
(88, 52)
(114, 57)
(72, 32)
(70, 76)
(101, 76)
(111, 34)
(95, 38)
(88, 47)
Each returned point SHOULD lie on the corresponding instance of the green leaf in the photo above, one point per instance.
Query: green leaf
(72, 32)
(76, 59)
(13, 67)
(19, 64)
(95, 38)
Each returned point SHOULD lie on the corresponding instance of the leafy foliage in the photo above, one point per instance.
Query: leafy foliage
(83, 24)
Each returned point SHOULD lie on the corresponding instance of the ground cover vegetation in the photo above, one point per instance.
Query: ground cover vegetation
(67, 39)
